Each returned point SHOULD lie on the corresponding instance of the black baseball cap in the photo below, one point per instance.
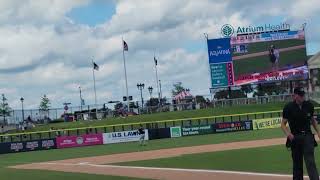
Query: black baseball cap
(299, 91)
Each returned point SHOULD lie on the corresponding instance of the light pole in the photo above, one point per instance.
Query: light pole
(22, 99)
(3, 108)
(160, 95)
(150, 88)
(140, 87)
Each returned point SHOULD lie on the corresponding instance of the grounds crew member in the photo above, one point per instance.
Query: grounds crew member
(299, 115)
(142, 134)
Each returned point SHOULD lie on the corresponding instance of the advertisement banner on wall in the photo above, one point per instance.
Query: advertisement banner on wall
(77, 141)
(197, 130)
(232, 126)
(175, 132)
(159, 133)
(267, 123)
(219, 50)
(221, 75)
(263, 37)
(124, 136)
(35, 145)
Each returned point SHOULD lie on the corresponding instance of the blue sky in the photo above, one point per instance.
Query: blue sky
(98, 12)
(43, 52)
(94, 13)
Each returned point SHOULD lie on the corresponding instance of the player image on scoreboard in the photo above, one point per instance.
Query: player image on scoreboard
(269, 57)
(274, 56)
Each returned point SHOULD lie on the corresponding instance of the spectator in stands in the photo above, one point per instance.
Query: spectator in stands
(29, 119)
(24, 126)
(20, 126)
(56, 132)
(30, 122)
(89, 131)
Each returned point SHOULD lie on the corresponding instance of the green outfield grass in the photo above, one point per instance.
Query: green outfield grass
(273, 159)
(167, 116)
(41, 156)
(262, 63)
(264, 46)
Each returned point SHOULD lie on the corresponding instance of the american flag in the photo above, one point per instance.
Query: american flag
(95, 66)
(125, 46)
(155, 61)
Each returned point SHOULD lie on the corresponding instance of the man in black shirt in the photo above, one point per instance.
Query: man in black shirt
(299, 115)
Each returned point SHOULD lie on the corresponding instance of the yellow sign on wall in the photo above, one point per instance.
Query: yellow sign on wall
(267, 123)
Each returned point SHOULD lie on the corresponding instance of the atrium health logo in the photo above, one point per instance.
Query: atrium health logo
(227, 30)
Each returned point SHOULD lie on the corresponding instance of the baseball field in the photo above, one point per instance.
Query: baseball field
(255, 155)
(208, 152)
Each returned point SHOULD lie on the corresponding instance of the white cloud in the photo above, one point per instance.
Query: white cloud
(44, 52)
(22, 45)
(304, 9)
(6, 91)
(36, 12)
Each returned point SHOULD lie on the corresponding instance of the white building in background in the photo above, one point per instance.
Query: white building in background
(314, 75)
(314, 72)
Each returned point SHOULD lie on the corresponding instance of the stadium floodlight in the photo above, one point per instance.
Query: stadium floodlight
(22, 99)
(140, 86)
(150, 88)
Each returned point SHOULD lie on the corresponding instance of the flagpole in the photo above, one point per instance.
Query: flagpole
(80, 98)
(125, 74)
(94, 87)
(155, 65)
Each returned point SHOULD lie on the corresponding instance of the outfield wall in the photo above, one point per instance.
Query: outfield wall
(36, 145)
(124, 136)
